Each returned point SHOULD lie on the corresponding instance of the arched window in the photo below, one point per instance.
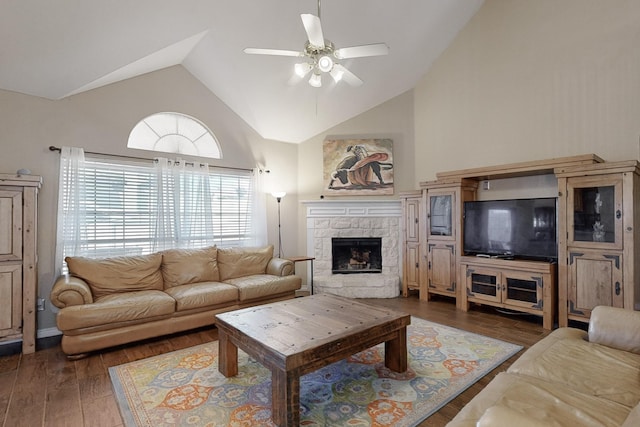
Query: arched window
(174, 133)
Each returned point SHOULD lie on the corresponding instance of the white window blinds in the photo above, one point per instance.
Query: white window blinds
(128, 209)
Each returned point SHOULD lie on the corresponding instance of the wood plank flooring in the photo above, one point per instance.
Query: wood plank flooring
(46, 389)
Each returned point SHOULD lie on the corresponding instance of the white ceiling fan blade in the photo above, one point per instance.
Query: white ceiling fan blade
(348, 76)
(376, 49)
(278, 52)
(313, 27)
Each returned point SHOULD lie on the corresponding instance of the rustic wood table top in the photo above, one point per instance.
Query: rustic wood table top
(300, 335)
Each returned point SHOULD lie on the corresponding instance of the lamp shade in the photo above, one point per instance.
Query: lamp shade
(302, 69)
(315, 80)
(279, 194)
(336, 74)
(325, 63)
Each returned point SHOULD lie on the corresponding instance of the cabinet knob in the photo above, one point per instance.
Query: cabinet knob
(617, 288)
(618, 214)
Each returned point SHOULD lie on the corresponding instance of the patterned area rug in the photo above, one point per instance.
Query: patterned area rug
(184, 387)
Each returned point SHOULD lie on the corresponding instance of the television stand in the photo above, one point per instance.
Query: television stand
(526, 286)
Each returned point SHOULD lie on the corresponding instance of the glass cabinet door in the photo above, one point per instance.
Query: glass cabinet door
(594, 210)
(440, 215)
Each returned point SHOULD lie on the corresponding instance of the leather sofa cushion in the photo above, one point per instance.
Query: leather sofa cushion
(548, 403)
(565, 357)
(615, 327)
(240, 261)
(184, 266)
(206, 294)
(115, 309)
(264, 285)
(503, 416)
(119, 274)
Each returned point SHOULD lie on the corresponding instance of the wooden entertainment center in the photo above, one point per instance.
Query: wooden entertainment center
(596, 223)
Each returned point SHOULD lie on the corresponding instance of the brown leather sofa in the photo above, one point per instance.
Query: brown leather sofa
(113, 301)
(569, 378)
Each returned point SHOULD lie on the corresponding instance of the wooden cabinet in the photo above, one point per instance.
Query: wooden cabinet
(18, 272)
(597, 239)
(441, 268)
(527, 286)
(10, 297)
(602, 271)
(444, 200)
(412, 208)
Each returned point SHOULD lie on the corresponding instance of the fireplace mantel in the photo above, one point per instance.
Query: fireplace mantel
(355, 218)
(360, 208)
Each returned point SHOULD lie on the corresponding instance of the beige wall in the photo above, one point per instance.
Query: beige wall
(533, 79)
(100, 120)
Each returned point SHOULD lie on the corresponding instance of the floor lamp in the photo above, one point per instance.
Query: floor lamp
(279, 195)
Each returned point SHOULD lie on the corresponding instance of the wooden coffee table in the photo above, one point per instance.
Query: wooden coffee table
(301, 335)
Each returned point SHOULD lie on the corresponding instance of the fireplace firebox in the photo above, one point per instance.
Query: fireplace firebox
(352, 255)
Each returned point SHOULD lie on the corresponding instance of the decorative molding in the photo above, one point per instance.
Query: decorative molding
(353, 208)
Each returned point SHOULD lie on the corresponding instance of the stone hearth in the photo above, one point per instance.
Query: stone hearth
(367, 218)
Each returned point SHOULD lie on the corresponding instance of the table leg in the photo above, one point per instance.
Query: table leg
(285, 398)
(395, 352)
(227, 355)
(311, 293)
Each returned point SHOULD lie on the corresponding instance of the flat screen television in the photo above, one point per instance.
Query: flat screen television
(516, 228)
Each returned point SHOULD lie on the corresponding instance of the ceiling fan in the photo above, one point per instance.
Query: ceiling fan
(321, 56)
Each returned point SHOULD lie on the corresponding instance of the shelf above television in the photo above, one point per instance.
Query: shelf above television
(512, 170)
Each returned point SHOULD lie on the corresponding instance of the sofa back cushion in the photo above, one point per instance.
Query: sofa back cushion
(119, 274)
(184, 266)
(241, 261)
(615, 327)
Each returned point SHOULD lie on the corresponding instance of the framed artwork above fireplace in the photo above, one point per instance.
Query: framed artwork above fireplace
(358, 167)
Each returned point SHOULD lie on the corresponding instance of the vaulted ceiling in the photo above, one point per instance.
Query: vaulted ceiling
(56, 49)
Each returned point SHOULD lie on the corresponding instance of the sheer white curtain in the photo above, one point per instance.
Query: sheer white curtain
(71, 232)
(259, 209)
(165, 205)
(184, 217)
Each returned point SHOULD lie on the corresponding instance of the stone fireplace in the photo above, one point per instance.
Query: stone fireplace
(357, 225)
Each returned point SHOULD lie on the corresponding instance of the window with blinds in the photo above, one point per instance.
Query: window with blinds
(123, 207)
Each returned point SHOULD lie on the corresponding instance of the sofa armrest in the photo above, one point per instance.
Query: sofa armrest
(503, 416)
(615, 327)
(69, 290)
(280, 267)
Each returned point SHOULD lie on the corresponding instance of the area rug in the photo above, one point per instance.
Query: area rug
(184, 387)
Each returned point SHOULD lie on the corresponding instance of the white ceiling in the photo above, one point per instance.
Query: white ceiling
(55, 49)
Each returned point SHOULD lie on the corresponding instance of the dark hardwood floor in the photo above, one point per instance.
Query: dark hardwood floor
(46, 389)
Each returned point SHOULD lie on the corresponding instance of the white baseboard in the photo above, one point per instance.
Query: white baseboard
(48, 332)
(42, 333)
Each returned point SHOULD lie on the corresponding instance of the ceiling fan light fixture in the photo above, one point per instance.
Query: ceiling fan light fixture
(325, 63)
(315, 80)
(321, 56)
(302, 68)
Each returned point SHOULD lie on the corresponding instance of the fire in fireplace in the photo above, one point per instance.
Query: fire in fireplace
(356, 255)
